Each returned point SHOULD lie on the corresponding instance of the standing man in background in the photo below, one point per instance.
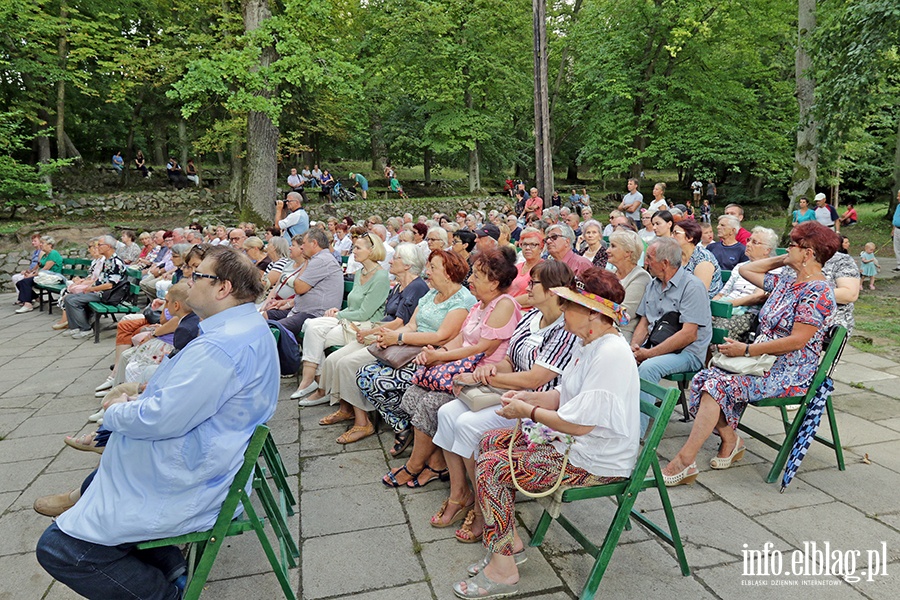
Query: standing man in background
(896, 223)
(362, 183)
(632, 201)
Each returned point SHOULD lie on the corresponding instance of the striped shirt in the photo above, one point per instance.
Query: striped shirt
(550, 347)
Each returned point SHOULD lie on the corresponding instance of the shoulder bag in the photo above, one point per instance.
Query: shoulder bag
(665, 327)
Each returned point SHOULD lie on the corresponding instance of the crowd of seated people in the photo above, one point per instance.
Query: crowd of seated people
(439, 305)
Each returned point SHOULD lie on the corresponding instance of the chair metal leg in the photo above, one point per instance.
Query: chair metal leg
(835, 437)
(541, 530)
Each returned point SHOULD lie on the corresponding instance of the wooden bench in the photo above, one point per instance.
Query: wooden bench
(128, 307)
(71, 267)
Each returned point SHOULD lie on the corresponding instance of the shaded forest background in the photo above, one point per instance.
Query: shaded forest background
(705, 88)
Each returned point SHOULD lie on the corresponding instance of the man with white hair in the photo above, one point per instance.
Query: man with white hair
(728, 251)
(559, 239)
(76, 305)
(297, 221)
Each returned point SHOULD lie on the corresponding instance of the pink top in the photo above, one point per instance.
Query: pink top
(475, 328)
(520, 283)
(536, 203)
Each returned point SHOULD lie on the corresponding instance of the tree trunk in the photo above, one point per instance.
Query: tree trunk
(806, 155)
(426, 164)
(160, 152)
(71, 150)
(129, 143)
(236, 185)
(892, 205)
(379, 154)
(572, 171)
(182, 141)
(474, 170)
(543, 151)
(563, 59)
(62, 50)
(262, 135)
(43, 143)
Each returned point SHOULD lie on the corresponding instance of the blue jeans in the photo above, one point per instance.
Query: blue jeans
(654, 369)
(104, 572)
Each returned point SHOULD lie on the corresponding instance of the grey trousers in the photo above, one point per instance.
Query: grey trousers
(77, 310)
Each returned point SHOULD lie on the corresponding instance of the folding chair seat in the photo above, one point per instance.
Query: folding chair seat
(718, 309)
(204, 546)
(834, 345)
(626, 493)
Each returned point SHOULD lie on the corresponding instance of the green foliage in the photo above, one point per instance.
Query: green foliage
(20, 184)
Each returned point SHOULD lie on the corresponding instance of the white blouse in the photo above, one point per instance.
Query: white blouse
(601, 388)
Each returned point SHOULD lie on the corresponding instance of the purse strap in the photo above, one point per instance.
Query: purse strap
(512, 470)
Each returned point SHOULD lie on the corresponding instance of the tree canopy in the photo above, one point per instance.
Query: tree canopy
(704, 87)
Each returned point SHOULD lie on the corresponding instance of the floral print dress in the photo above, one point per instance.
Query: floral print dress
(810, 303)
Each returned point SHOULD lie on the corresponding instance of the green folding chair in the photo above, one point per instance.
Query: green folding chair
(626, 493)
(835, 340)
(204, 546)
(718, 309)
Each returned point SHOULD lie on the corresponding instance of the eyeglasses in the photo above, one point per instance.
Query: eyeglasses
(197, 276)
(531, 283)
(530, 245)
(552, 238)
(678, 232)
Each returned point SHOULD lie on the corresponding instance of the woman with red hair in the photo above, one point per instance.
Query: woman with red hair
(792, 326)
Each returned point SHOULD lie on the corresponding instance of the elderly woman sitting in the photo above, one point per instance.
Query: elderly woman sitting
(792, 326)
(436, 320)
(743, 295)
(625, 250)
(365, 302)
(485, 332)
(593, 243)
(338, 381)
(531, 241)
(50, 260)
(601, 414)
(539, 351)
(695, 258)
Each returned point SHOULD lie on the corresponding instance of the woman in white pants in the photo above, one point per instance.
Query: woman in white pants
(539, 350)
(338, 380)
(365, 302)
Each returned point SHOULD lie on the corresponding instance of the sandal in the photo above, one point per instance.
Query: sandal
(390, 479)
(465, 534)
(338, 416)
(458, 516)
(402, 441)
(475, 568)
(356, 433)
(85, 443)
(443, 475)
(482, 587)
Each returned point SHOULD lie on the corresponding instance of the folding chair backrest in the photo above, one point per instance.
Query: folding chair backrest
(834, 345)
(723, 310)
(726, 275)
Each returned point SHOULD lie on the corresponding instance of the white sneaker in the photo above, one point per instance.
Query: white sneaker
(101, 394)
(97, 416)
(105, 385)
(24, 309)
(82, 334)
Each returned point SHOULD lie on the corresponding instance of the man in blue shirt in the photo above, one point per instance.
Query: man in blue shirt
(672, 291)
(175, 449)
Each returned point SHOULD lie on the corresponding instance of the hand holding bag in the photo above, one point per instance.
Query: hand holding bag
(477, 397)
(439, 378)
(743, 365)
(538, 434)
(394, 356)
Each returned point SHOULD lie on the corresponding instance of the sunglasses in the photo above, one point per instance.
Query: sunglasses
(552, 238)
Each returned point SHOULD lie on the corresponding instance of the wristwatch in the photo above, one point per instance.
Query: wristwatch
(400, 339)
(747, 350)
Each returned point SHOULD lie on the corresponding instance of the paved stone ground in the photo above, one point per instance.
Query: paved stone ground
(360, 540)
